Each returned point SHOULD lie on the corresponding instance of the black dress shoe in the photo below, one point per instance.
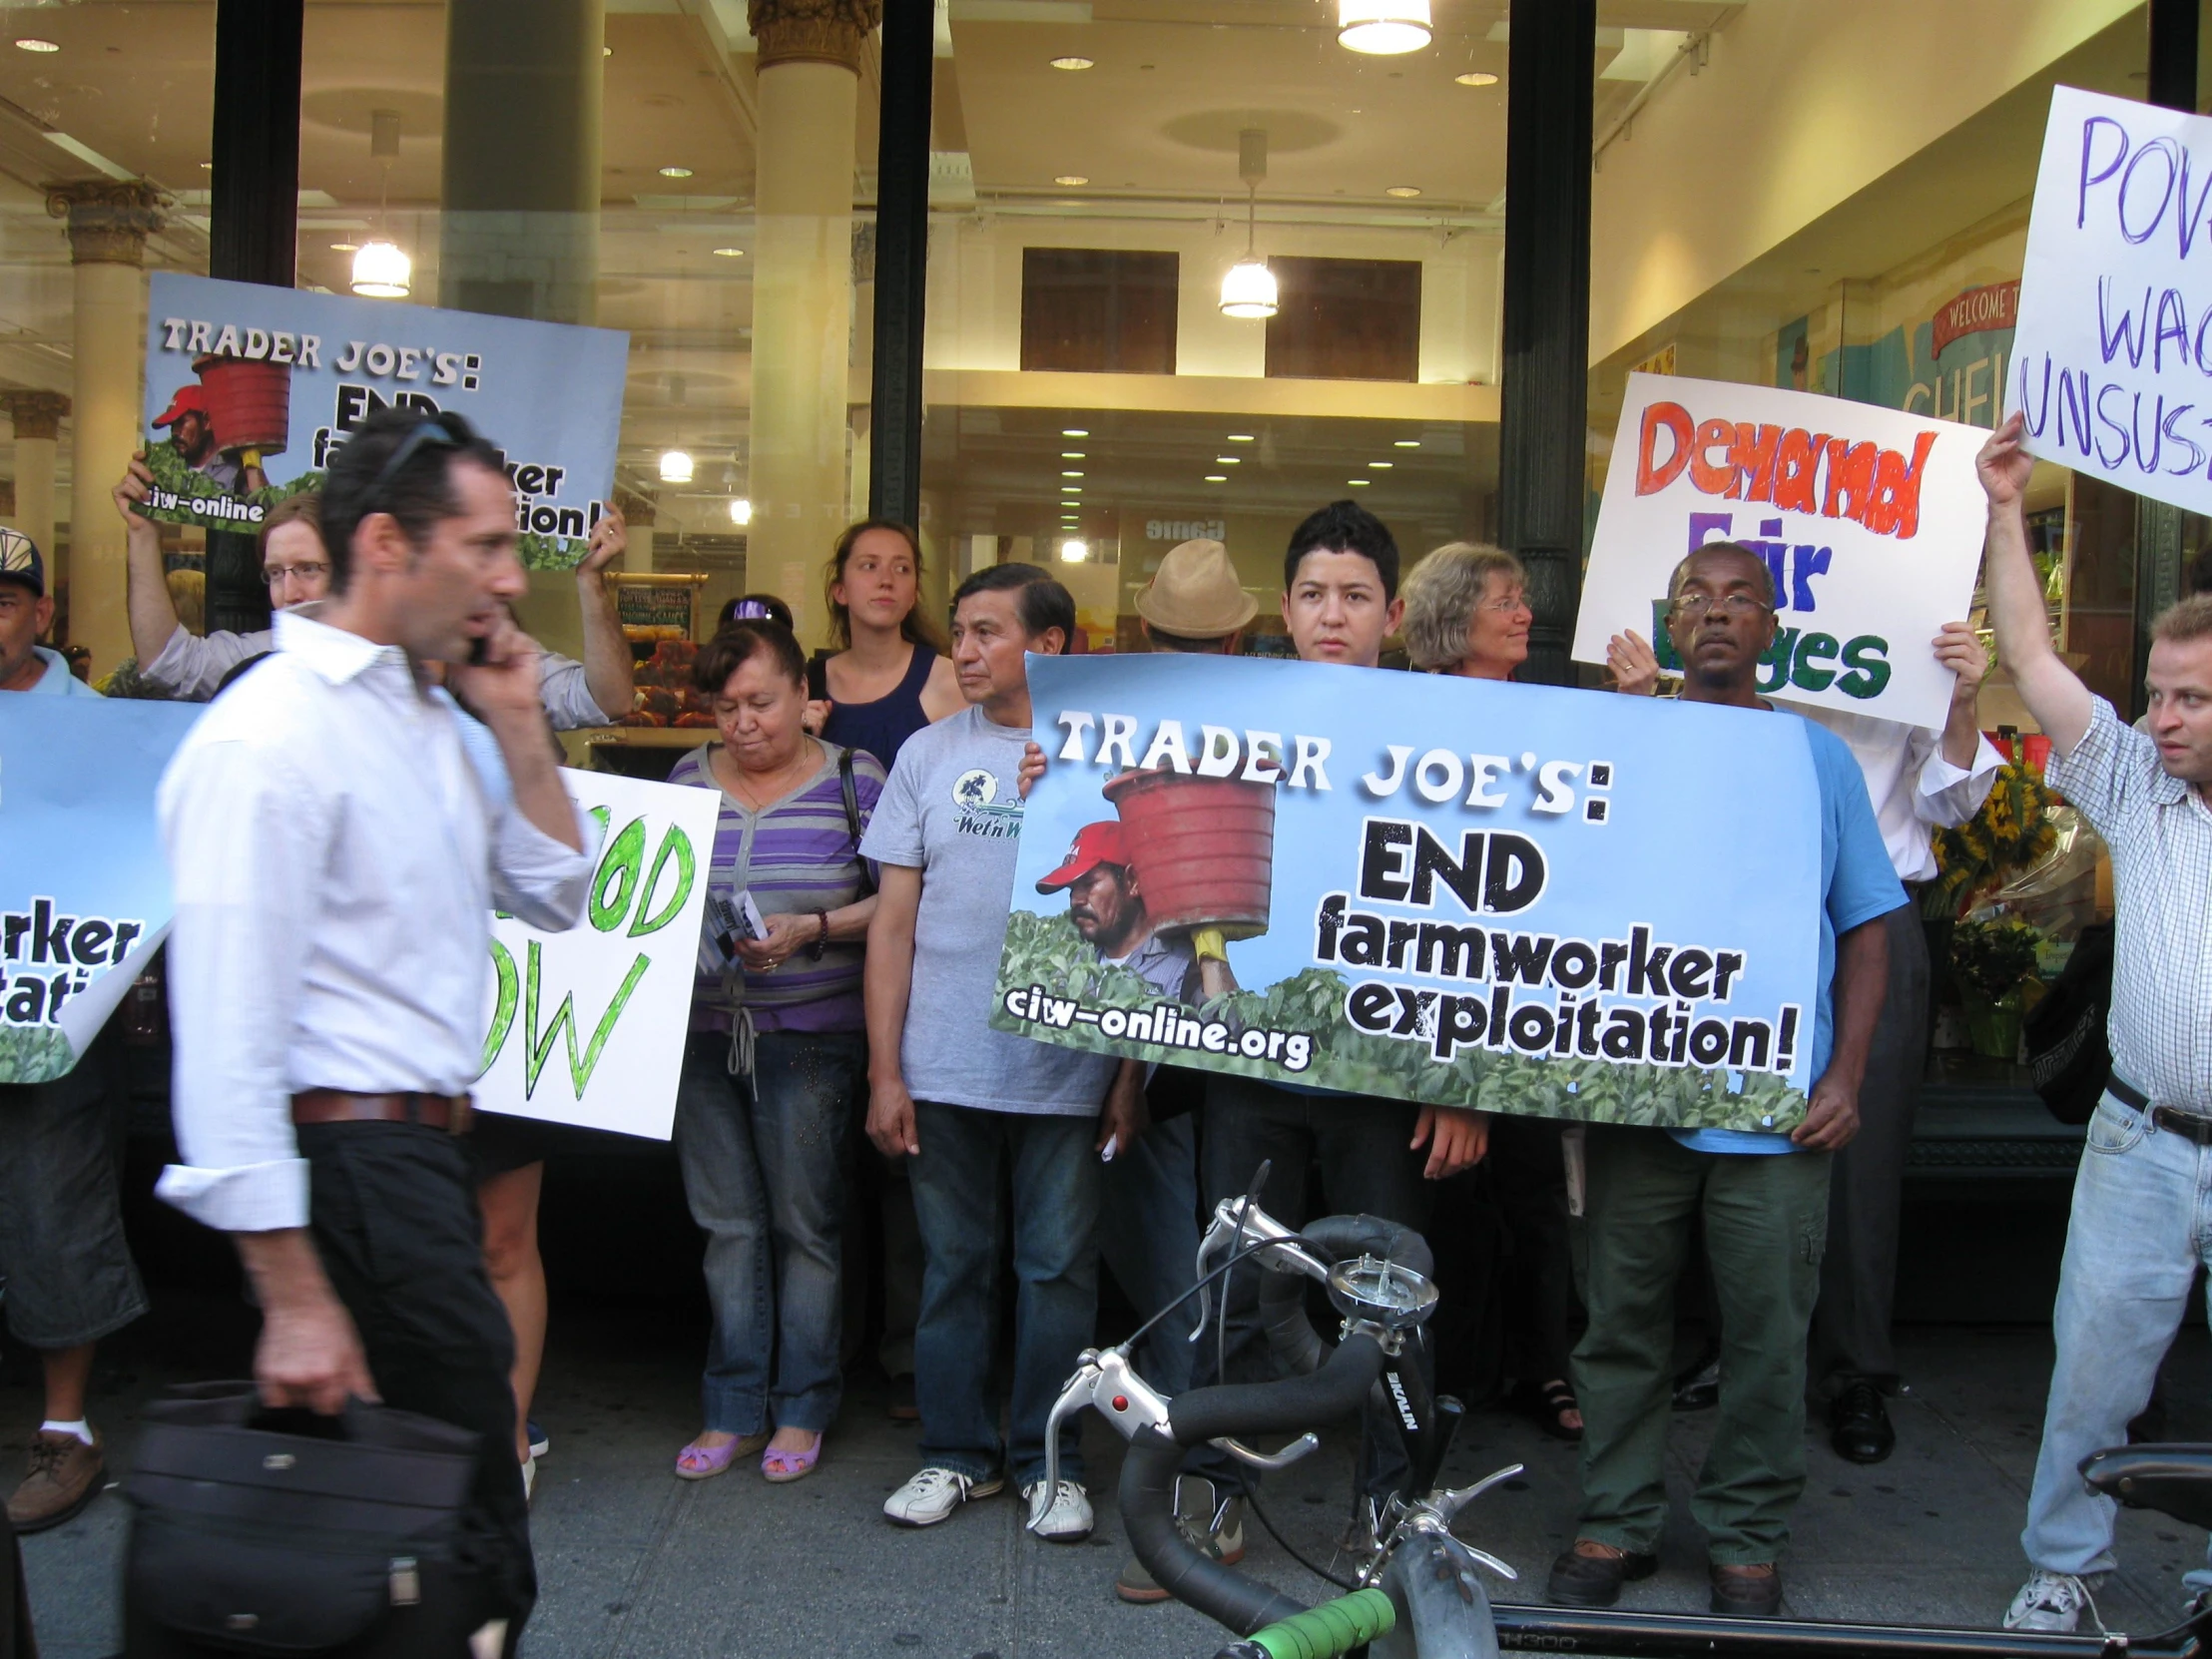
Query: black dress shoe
(1739, 1592)
(1580, 1580)
(1860, 1423)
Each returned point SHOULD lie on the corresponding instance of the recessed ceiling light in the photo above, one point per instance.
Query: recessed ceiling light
(1358, 484)
(1071, 489)
(1383, 27)
(1072, 62)
(1381, 466)
(1071, 178)
(1217, 477)
(1071, 454)
(31, 43)
(1073, 432)
(675, 173)
(206, 167)
(731, 253)
(1228, 460)
(1403, 192)
(1406, 444)
(606, 51)
(345, 248)
(1071, 474)
(1476, 78)
(1239, 437)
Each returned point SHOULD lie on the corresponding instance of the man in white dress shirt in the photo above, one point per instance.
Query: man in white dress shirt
(1917, 779)
(335, 857)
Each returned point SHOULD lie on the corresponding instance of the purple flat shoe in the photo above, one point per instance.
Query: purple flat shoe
(780, 1466)
(703, 1462)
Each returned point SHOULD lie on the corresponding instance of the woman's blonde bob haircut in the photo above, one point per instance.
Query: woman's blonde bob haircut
(1440, 596)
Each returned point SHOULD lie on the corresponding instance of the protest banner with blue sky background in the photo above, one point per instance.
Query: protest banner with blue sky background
(1456, 892)
(84, 894)
(249, 388)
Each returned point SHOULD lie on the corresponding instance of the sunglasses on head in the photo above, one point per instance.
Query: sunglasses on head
(751, 610)
(434, 432)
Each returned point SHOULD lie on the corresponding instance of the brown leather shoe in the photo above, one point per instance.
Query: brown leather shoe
(1590, 1574)
(64, 1475)
(1747, 1592)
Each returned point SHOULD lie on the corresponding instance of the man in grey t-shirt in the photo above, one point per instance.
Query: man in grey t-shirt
(964, 1101)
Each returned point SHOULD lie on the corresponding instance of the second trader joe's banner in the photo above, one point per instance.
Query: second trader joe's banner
(1456, 892)
(249, 389)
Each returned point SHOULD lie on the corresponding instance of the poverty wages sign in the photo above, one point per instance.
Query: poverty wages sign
(1452, 891)
(2112, 356)
(1869, 520)
(587, 1027)
(251, 390)
(84, 890)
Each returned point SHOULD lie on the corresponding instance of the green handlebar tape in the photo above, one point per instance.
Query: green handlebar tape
(1332, 1629)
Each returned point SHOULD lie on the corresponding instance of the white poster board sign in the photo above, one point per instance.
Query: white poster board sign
(587, 1027)
(1871, 520)
(2114, 343)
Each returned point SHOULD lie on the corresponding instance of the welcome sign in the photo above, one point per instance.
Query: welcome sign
(83, 892)
(587, 1027)
(1447, 890)
(251, 390)
(1869, 520)
(2114, 343)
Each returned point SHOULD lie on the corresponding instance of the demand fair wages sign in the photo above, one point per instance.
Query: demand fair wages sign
(1446, 890)
(84, 891)
(251, 390)
(587, 1027)
(1870, 519)
(2112, 358)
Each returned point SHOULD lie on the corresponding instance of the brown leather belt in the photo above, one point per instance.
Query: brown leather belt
(436, 1111)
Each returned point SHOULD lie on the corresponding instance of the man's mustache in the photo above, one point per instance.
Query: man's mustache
(1081, 912)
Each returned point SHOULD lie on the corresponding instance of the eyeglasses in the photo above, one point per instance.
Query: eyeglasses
(432, 431)
(274, 574)
(1692, 606)
(1505, 606)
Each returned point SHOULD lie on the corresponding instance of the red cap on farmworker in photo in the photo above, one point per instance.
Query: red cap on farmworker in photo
(1095, 844)
(187, 399)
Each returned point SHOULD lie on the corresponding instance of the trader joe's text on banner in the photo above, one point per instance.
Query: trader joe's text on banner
(1550, 918)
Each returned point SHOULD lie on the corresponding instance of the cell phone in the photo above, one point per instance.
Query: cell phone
(479, 651)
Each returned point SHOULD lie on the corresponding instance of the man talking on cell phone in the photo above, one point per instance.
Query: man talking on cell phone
(336, 846)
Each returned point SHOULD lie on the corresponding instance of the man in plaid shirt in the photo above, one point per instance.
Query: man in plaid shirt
(2134, 1241)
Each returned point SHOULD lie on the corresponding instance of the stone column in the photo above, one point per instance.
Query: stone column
(109, 220)
(38, 423)
(810, 57)
(637, 515)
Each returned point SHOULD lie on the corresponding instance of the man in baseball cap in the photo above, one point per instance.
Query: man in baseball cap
(1194, 602)
(192, 434)
(27, 611)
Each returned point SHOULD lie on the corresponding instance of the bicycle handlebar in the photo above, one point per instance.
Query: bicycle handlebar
(1148, 1476)
(1329, 1631)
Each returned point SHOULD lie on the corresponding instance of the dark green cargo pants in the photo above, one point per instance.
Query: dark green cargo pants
(1765, 1222)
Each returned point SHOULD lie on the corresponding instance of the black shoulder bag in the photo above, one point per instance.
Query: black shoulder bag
(852, 818)
(2069, 1054)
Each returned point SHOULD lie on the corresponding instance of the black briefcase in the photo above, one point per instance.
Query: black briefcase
(260, 1533)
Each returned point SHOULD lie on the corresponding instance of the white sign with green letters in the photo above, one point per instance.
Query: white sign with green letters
(587, 1027)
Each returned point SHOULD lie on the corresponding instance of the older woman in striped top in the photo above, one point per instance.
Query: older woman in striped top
(777, 1048)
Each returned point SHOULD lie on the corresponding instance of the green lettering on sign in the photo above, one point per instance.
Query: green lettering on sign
(538, 1048)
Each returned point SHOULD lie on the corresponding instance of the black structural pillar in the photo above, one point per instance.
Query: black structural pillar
(2162, 534)
(1543, 388)
(255, 222)
(901, 260)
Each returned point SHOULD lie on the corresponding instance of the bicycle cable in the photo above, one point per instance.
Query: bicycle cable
(1252, 1498)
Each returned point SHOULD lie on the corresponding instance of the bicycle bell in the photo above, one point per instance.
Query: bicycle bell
(1380, 1290)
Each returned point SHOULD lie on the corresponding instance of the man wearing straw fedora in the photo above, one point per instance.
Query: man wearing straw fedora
(1194, 602)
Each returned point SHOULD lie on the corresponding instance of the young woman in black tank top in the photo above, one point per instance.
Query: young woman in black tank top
(892, 677)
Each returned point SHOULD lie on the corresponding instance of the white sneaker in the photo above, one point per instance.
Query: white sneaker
(1060, 1514)
(2050, 1602)
(933, 1493)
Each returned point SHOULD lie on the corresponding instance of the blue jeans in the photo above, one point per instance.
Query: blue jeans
(764, 1169)
(1056, 1192)
(1150, 1242)
(2142, 1220)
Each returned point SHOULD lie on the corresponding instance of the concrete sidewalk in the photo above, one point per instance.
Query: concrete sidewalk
(635, 1562)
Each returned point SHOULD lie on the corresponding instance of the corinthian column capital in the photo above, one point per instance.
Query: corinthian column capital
(37, 414)
(813, 31)
(109, 219)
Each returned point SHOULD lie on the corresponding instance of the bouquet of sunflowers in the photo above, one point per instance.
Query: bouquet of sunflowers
(2010, 832)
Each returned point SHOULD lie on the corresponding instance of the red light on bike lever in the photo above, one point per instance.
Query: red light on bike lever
(1121, 1402)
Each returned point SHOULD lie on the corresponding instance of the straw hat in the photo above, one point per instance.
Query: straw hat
(1196, 595)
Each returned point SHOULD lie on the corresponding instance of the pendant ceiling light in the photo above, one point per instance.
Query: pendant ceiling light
(676, 467)
(1249, 288)
(381, 268)
(1383, 27)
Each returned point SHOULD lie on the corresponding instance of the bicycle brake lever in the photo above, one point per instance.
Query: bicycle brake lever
(1233, 1227)
(1448, 1504)
(1103, 1379)
(1267, 1459)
